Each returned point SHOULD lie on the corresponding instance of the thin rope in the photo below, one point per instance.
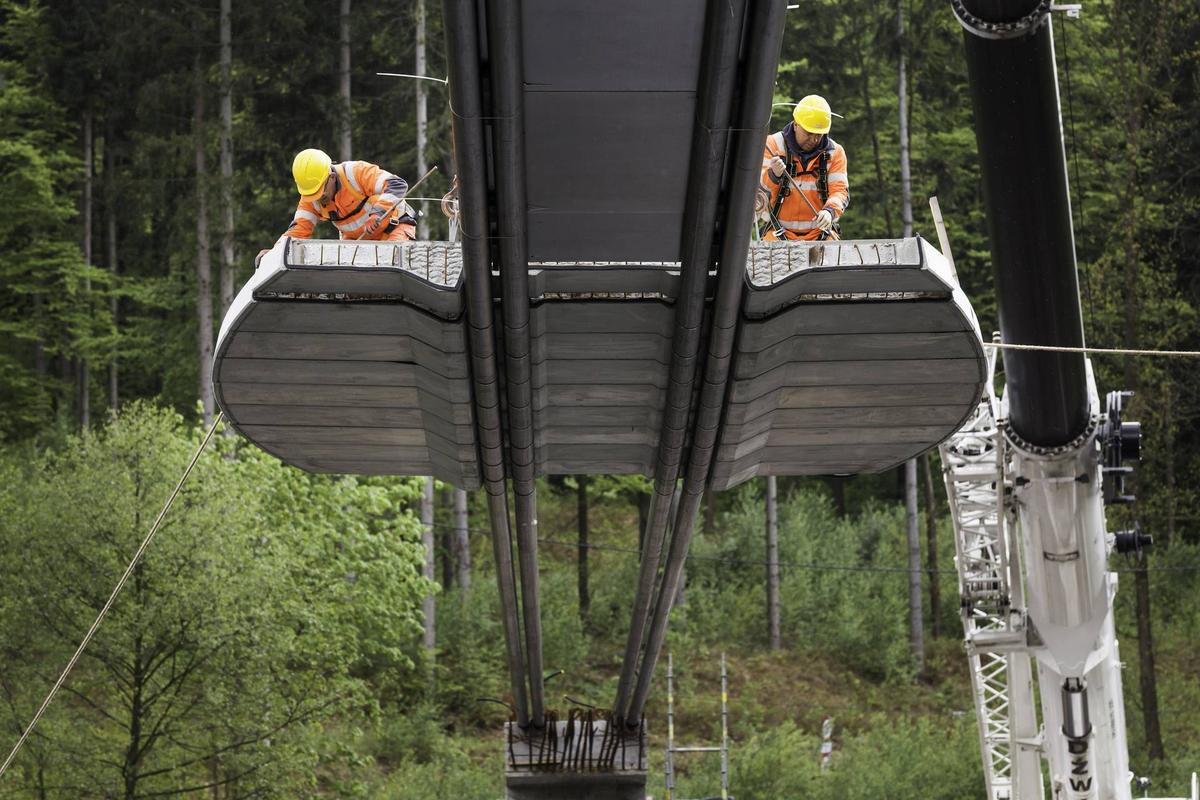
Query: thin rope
(1105, 350)
(745, 562)
(1075, 184)
(410, 75)
(111, 598)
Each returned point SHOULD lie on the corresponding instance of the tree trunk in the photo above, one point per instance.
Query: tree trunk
(1169, 456)
(581, 505)
(429, 605)
(906, 214)
(1148, 680)
(449, 540)
(114, 267)
(931, 553)
(643, 506)
(422, 108)
(344, 115)
(837, 485)
(227, 251)
(916, 617)
(89, 170)
(40, 365)
(865, 85)
(773, 563)
(463, 534)
(204, 308)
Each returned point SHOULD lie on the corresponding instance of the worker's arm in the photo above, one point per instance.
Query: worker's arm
(768, 181)
(304, 222)
(383, 188)
(839, 184)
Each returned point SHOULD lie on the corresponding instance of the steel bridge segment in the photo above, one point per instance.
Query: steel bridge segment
(600, 359)
(853, 357)
(363, 386)
(335, 364)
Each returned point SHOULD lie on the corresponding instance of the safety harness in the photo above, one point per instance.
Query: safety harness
(407, 216)
(821, 173)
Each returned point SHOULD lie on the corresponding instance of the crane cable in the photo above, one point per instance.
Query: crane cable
(1118, 351)
(137, 556)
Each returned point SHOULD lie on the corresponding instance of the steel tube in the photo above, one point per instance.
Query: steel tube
(462, 36)
(723, 23)
(764, 39)
(1018, 128)
(508, 144)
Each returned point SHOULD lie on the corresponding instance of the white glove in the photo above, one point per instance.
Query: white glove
(824, 219)
(761, 204)
(777, 167)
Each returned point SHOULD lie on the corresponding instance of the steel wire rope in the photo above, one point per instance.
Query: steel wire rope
(1120, 351)
(133, 562)
(814, 566)
(1087, 281)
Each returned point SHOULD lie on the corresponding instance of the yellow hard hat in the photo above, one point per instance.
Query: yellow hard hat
(813, 114)
(310, 168)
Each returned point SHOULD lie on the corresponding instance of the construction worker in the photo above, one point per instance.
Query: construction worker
(360, 199)
(803, 190)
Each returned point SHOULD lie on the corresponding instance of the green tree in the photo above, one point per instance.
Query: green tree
(267, 600)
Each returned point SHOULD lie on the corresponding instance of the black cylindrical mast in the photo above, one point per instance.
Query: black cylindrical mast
(1018, 126)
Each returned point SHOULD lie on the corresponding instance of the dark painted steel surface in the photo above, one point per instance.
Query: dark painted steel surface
(707, 166)
(1018, 127)
(462, 35)
(764, 38)
(508, 122)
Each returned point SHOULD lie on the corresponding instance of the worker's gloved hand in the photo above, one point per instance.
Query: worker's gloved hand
(761, 205)
(374, 224)
(777, 168)
(824, 219)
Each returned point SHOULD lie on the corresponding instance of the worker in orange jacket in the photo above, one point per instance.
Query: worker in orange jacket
(360, 199)
(803, 190)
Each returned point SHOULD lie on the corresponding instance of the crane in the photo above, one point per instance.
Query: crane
(1029, 475)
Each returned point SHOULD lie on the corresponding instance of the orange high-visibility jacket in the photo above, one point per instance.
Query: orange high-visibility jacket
(795, 217)
(363, 189)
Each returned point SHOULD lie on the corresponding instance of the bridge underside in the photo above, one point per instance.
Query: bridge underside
(853, 356)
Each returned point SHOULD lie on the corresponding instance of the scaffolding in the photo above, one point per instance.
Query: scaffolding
(673, 748)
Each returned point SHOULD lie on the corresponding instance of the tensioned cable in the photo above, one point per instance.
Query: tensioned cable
(1087, 282)
(815, 566)
(112, 597)
(1104, 350)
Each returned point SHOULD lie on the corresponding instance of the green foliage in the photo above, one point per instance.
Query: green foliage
(850, 611)
(289, 601)
(234, 635)
(887, 758)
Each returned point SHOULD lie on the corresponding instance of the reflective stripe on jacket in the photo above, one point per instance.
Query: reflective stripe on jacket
(363, 189)
(795, 216)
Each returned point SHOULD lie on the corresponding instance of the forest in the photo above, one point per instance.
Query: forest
(281, 638)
